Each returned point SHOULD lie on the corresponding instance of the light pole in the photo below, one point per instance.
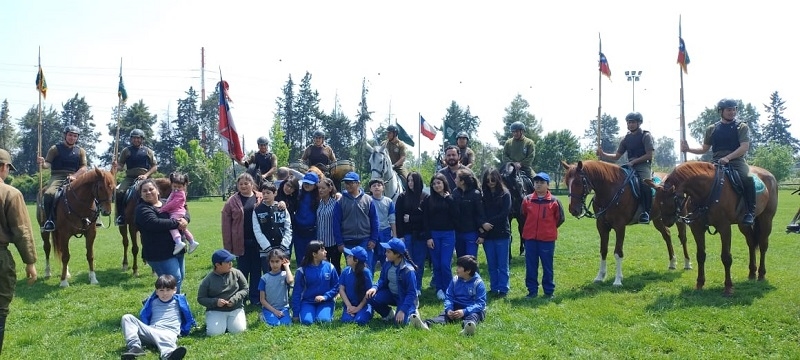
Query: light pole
(633, 77)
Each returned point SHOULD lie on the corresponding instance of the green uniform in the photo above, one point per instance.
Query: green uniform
(396, 150)
(724, 138)
(64, 161)
(137, 161)
(522, 151)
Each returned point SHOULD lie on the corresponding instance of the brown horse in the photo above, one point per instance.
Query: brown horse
(614, 207)
(75, 214)
(711, 201)
(164, 189)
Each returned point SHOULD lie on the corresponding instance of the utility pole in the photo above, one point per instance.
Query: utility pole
(202, 74)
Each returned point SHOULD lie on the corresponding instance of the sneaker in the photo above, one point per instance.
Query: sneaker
(417, 322)
(531, 295)
(49, 226)
(193, 246)
(119, 221)
(644, 218)
(748, 219)
(178, 354)
(389, 316)
(549, 296)
(178, 248)
(440, 295)
(469, 329)
(419, 293)
(133, 352)
(795, 228)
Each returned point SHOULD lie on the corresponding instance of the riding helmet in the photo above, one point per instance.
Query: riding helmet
(391, 129)
(462, 134)
(727, 104)
(319, 133)
(137, 133)
(262, 141)
(634, 116)
(72, 129)
(517, 125)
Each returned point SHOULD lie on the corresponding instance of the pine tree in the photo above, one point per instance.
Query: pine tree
(291, 127)
(457, 120)
(136, 116)
(307, 111)
(76, 112)
(209, 124)
(187, 124)
(776, 130)
(7, 132)
(609, 133)
(518, 111)
(52, 133)
(363, 116)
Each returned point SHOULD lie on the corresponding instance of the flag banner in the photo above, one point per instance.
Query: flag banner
(121, 93)
(604, 68)
(229, 137)
(41, 84)
(403, 136)
(426, 128)
(683, 55)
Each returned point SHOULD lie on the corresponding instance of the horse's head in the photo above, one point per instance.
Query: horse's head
(379, 163)
(669, 201)
(255, 172)
(578, 186)
(103, 190)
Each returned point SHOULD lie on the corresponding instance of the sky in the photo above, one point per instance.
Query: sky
(416, 56)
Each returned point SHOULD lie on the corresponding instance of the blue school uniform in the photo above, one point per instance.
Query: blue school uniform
(348, 281)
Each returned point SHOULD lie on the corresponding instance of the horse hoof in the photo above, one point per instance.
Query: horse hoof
(598, 281)
(617, 283)
(136, 273)
(125, 268)
(762, 278)
(93, 278)
(671, 267)
(47, 273)
(64, 283)
(727, 293)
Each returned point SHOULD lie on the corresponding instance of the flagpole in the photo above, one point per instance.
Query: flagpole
(683, 114)
(419, 136)
(599, 94)
(116, 138)
(39, 143)
(221, 90)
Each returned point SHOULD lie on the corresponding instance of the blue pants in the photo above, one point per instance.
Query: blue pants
(536, 251)
(273, 320)
(380, 253)
(361, 318)
(442, 256)
(418, 250)
(250, 265)
(383, 299)
(465, 244)
(497, 251)
(300, 240)
(175, 266)
(321, 312)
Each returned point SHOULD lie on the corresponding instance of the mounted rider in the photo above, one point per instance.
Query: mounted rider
(66, 161)
(140, 162)
(266, 161)
(319, 152)
(467, 155)
(519, 149)
(639, 146)
(729, 141)
(397, 151)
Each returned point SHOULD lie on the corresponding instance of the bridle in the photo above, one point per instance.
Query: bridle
(586, 186)
(94, 210)
(384, 171)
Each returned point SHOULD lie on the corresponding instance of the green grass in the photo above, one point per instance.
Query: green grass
(656, 314)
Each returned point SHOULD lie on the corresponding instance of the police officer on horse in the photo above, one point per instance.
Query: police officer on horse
(467, 155)
(397, 151)
(265, 161)
(66, 161)
(140, 162)
(319, 152)
(519, 150)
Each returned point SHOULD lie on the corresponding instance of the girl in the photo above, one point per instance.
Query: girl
(467, 197)
(409, 223)
(327, 202)
(316, 286)
(176, 208)
(238, 236)
(274, 289)
(304, 221)
(440, 215)
(397, 284)
(353, 285)
(495, 234)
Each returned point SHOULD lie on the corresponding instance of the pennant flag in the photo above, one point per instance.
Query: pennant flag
(426, 128)
(121, 93)
(229, 137)
(403, 136)
(604, 68)
(41, 84)
(683, 56)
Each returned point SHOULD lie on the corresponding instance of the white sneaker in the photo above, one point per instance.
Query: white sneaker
(469, 329)
(390, 316)
(193, 246)
(440, 295)
(178, 248)
(417, 322)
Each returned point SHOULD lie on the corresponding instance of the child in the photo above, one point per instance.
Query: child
(165, 315)
(176, 208)
(223, 292)
(386, 219)
(465, 299)
(316, 284)
(353, 285)
(272, 227)
(274, 289)
(397, 284)
(539, 234)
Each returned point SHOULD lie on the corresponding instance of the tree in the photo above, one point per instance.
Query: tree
(555, 147)
(7, 133)
(187, 124)
(777, 158)
(456, 120)
(137, 116)
(359, 129)
(289, 123)
(307, 111)
(165, 147)
(709, 116)
(664, 153)
(52, 133)
(518, 111)
(208, 116)
(340, 131)
(194, 162)
(609, 133)
(279, 148)
(76, 112)
(776, 130)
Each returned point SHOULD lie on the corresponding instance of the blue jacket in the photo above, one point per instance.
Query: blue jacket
(348, 280)
(469, 295)
(407, 289)
(310, 281)
(187, 320)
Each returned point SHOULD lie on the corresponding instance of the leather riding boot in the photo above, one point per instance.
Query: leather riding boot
(49, 208)
(120, 207)
(646, 200)
(2, 331)
(749, 201)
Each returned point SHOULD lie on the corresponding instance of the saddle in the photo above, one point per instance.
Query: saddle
(633, 181)
(51, 212)
(736, 181)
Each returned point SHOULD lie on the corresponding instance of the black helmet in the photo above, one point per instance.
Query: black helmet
(319, 133)
(727, 104)
(462, 134)
(72, 129)
(262, 141)
(137, 133)
(634, 116)
(517, 125)
(392, 129)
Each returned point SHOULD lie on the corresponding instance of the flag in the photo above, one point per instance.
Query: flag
(426, 128)
(683, 56)
(121, 93)
(604, 68)
(228, 136)
(41, 84)
(403, 136)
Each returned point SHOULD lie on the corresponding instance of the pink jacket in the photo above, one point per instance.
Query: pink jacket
(175, 205)
(233, 224)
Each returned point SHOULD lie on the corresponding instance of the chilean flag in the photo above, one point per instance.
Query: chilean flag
(228, 136)
(426, 129)
(683, 56)
(604, 68)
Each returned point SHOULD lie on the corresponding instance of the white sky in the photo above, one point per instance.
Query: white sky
(418, 55)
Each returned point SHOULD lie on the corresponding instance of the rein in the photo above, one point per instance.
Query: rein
(587, 188)
(702, 209)
(94, 213)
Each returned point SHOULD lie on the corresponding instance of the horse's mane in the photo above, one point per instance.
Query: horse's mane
(689, 170)
(88, 176)
(603, 170)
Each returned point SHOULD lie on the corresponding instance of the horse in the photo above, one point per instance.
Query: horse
(518, 188)
(76, 211)
(129, 228)
(615, 207)
(381, 168)
(712, 201)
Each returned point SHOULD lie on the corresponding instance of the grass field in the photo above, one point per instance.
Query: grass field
(656, 314)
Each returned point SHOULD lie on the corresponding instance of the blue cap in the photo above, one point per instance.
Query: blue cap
(310, 178)
(357, 252)
(542, 176)
(395, 245)
(351, 176)
(222, 256)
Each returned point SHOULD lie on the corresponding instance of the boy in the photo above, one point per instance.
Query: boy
(272, 227)
(222, 292)
(386, 220)
(165, 315)
(540, 234)
(465, 299)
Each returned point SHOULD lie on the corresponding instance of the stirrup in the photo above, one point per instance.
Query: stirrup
(119, 221)
(748, 219)
(644, 218)
(49, 226)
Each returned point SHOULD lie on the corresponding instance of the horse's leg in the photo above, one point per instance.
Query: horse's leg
(727, 259)
(665, 234)
(47, 248)
(699, 232)
(520, 226)
(90, 235)
(752, 246)
(618, 253)
(603, 230)
(134, 248)
(123, 230)
(764, 228)
(63, 241)
(687, 262)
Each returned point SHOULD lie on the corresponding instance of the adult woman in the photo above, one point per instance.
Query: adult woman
(287, 193)
(467, 197)
(440, 215)
(154, 227)
(304, 220)
(409, 223)
(495, 234)
(237, 232)
(327, 201)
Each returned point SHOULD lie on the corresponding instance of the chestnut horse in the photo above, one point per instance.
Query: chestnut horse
(711, 201)
(76, 211)
(614, 207)
(133, 196)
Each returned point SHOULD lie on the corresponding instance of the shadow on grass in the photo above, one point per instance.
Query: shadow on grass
(744, 293)
(106, 278)
(632, 284)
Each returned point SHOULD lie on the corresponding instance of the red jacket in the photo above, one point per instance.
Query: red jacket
(542, 217)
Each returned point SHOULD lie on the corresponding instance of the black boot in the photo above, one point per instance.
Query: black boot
(2, 331)
(749, 201)
(647, 201)
(120, 205)
(49, 225)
